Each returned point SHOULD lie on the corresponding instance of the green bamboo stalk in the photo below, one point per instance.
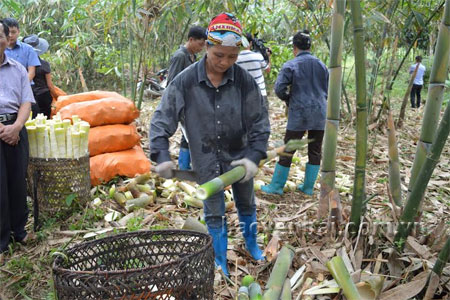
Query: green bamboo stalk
(340, 273)
(443, 258)
(394, 163)
(279, 272)
(401, 116)
(130, 48)
(433, 280)
(334, 96)
(286, 293)
(359, 185)
(439, 73)
(415, 197)
(122, 63)
(217, 184)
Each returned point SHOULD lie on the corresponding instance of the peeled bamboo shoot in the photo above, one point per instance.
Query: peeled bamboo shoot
(60, 134)
(32, 140)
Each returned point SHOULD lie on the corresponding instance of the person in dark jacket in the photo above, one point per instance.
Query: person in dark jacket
(43, 79)
(303, 84)
(226, 122)
(181, 59)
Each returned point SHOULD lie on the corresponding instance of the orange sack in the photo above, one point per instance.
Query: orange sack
(128, 163)
(102, 112)
(112, 138)
(87, 96)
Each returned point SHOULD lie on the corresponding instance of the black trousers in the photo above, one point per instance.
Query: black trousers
(415, 92)
(314, 147)
(13, 191)
(44, 102)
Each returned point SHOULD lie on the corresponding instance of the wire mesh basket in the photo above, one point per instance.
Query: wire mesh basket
(53, 180)
(159, 264)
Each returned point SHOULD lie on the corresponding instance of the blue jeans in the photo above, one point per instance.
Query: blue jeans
(244, 198)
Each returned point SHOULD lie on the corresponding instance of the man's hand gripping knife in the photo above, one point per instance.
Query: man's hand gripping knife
(164, 169)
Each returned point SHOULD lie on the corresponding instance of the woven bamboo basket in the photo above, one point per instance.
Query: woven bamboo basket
(160, 264)
(56, 179)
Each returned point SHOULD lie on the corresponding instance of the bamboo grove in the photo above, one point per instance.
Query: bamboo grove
(433, 136)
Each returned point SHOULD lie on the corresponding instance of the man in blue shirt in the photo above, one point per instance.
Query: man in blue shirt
(19, 51)
(303, 84)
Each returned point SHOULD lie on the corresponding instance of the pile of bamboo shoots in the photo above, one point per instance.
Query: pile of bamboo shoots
(57, 138)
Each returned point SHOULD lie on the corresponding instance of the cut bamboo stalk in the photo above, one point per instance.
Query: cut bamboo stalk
(286, 293)
(279, 273)
(217, 184)
(193, 224)
(340, 273)
(32, 140)
(140, 202)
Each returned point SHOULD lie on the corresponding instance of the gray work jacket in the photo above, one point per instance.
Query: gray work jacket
(180, 60)
(307, 78)
(222, 124)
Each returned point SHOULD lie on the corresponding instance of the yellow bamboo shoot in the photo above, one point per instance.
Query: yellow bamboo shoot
(84, 138)
(61, 141)
(76, 143)
(40, 137)
(46, 142)
(32, 140)
(53, 143)
(69, 149)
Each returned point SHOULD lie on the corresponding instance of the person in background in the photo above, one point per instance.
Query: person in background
(226, 123)
(15, 105)
(22, 53)
(254, 63)
(303, 84)
(181, 59)
(418, 82)
(43, 79)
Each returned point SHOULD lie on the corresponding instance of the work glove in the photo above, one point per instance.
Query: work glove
(250, 168)
(164, 169)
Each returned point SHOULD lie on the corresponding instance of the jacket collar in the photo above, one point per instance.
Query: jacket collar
(201, 73)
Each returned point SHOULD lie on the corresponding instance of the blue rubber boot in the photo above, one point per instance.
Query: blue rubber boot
(310, 178)
(184, 159)
(220, 243)
(249, 230)
(279, 178)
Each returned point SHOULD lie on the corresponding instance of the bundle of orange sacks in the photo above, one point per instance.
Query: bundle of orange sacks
(114, 144)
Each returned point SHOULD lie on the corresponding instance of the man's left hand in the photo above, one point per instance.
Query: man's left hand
(10, 134)
(250, 168)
